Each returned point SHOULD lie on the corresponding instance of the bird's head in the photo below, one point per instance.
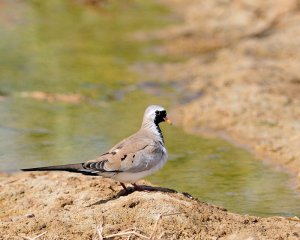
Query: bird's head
(156, 114)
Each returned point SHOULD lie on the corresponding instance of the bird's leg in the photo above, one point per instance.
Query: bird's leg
(123, 185)
(137, 187)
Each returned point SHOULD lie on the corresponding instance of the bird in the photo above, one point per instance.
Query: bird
(130, 160)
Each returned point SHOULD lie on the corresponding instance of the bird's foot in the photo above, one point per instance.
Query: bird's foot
(126, 190)
(124, 187)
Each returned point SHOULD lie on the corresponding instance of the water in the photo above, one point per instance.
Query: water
(60, 47)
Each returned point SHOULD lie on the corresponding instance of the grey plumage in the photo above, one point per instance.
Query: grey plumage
(130, 160)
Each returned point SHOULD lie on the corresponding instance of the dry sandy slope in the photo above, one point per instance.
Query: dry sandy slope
(71, 206)
(241, 77)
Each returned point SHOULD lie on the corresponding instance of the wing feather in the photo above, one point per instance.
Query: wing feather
(132, 154)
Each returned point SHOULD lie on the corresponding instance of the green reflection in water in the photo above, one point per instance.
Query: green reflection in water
(62, 47)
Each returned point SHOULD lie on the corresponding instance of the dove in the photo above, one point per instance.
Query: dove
(132, 159)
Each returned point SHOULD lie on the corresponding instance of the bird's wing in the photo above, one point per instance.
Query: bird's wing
(133, 154)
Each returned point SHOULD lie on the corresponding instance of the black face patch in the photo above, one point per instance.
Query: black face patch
(159, 116)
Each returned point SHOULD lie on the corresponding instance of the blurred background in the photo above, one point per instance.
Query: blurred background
(76, 76)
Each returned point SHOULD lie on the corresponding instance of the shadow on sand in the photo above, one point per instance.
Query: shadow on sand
(142, 188)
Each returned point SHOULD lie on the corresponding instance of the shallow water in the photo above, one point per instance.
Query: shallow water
(66, 48)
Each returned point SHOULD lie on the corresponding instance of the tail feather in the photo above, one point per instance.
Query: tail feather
(77, 168)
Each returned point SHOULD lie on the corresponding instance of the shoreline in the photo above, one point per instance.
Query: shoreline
(294, 183)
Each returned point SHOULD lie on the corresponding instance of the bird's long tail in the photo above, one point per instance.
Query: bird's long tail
(77, 168)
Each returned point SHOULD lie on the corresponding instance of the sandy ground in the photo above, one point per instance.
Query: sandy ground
(240, 78)
(71, 206)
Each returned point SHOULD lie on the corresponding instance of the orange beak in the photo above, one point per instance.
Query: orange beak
(167, 120)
